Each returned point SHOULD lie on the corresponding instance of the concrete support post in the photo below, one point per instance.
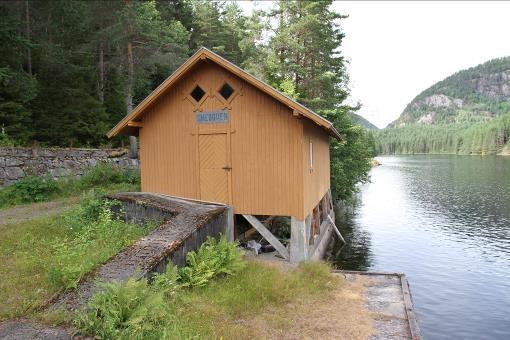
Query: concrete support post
(299, 235)
(229, 230)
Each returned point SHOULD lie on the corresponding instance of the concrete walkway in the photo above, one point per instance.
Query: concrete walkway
(389, 299)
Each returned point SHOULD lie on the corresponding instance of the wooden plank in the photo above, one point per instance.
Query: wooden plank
(268, 236)
(318, 240)
(229, 230)
(336, 229)
(135, 124)
(411, 316)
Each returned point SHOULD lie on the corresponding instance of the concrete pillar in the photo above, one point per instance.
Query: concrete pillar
(229, 230)
(299, 236)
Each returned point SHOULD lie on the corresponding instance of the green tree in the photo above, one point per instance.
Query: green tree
(304, 60)
(17, 86)
(150, 48)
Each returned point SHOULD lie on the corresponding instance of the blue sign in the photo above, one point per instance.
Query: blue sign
(213, 117)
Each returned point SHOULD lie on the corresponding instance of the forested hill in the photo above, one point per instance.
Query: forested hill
(357, 119)
(466, 113)
(476, 94)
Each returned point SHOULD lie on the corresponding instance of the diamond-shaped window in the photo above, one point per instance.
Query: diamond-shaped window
(226, 91)
(197, 93)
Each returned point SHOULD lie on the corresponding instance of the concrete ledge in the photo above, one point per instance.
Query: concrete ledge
(388, 294)
(186, 225)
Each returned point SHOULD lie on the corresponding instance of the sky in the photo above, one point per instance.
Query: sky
(397, 49)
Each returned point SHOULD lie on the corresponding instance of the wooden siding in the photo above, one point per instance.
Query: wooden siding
(265, 140)
(316, 180)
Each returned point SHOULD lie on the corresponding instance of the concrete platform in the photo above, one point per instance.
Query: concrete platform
(389, 298)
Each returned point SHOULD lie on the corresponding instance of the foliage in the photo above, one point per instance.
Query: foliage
(30, 189)
(462, 138)
(90, 226)
(71, 76)
(104, 174)
(64, 71)
(305, 48)
(137, 309)
(43, 255)
(476, 87)
(305, 51)
(125, 311)
(213, 258)
(37, 189)
(349, 157)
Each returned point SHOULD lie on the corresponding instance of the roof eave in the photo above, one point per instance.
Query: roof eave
(205, 53)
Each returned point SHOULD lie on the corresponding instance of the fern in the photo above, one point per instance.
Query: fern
(212, 258)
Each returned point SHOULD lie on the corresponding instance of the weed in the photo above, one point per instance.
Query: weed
(137, 309)
(29, 189)
(94, 236)
(37, 189)
(104, 174)
(123, 311)
(212, 258)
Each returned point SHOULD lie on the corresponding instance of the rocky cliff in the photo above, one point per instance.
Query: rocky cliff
(476, 94)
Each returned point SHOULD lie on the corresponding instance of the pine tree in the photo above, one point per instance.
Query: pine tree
(305, 47)
(152, 48)
(304, 61)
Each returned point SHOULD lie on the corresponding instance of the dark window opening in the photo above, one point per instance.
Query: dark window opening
(226, 91)
(197, 93)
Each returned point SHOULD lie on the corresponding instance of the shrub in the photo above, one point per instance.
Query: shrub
(102, 175)
(37, 189)
(29, 189)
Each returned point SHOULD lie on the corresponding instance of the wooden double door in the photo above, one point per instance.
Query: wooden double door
(215, 172)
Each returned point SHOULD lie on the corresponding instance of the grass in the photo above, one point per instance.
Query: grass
(223, 308)
(172, 308)
(40, 189)
(44, 255)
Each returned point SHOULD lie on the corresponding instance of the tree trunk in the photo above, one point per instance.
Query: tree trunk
(27, 34)
(100, 82)
(133, 145)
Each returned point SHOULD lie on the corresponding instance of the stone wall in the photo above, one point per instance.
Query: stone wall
(16, 163)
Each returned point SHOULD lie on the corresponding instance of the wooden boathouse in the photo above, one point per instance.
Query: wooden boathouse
(213, 132)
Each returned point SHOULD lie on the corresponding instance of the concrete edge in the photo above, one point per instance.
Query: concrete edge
(411, 315)
(412, 319)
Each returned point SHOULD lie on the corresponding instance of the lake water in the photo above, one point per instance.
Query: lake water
(445, 222)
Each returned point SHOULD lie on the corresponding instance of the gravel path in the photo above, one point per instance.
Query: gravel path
(30, 211)
(27, 330)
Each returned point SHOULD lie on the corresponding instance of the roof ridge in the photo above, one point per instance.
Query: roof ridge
(253, 80)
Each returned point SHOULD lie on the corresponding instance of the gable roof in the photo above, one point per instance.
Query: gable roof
(128, 123)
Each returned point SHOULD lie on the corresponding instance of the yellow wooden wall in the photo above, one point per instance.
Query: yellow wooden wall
(316, 181)
(268, 146)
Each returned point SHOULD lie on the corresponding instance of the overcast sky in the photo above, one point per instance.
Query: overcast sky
(398, 49)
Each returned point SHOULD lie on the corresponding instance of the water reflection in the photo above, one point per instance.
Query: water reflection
(445, 222)
(356, 252)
